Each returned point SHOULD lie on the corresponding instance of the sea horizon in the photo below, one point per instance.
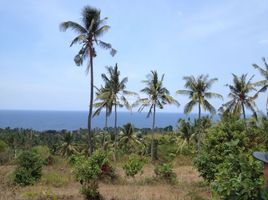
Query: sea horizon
(42, 120)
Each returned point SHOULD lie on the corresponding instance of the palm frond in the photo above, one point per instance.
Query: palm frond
(79, 39)
(189, 106)
(74, 26)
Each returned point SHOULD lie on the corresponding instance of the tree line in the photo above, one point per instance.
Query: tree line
(113, 93)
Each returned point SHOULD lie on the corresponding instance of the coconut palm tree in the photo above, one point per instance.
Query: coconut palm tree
(185, 129)
(198, 92)
(103, 101)
(128, 139)
(158, 96)
(116, 88)
(68, 148)
(240, 96)
(89, 32)
(263, 83)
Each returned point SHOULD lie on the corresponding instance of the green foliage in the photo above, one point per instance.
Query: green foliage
(166, 148)
(3, 146)
(29, 168)
(226, 161)
(133, 165)
(74, 159)
(239, 178)
(89, 171)
(165, 172)
(43, 152)
(5, 153)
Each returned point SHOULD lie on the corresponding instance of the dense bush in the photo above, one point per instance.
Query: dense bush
(29, 168)
(75, 158)
(226, 161)
(165, 172)
(133, 165)
(239, 177)
(89, 171)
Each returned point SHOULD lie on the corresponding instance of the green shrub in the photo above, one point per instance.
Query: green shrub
(238, 177)
(29, 168)
(225, 160)
(165, 172)
(89, 171)
(133, 165)
(43, 152)
(74, 159)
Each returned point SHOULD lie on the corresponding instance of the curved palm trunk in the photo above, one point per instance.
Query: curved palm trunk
(90, 134)
(152, 142)
(244, 113)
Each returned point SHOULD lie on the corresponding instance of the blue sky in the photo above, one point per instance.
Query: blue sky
(174, 37)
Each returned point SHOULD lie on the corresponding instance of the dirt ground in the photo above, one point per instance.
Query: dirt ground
(189, 186)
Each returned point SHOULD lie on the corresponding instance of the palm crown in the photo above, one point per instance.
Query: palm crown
(158, 95)
(240, 96)
(264, 73)
(88, 34)
(198, 92)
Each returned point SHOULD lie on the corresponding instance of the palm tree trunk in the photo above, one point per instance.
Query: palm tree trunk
(90, 134)
(105, 127)
(115, 122)
(199, 110)
(199, 132)
(152, 142)
(244, 113)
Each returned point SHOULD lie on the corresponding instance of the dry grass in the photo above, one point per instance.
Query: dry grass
(189, 186)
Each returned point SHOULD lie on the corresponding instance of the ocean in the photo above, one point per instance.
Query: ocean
(73, 120)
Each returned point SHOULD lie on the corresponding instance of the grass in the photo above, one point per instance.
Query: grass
(57, 183)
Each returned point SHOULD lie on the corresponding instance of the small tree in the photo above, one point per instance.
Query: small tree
(133, 165)
(29, 168)
(89, 171)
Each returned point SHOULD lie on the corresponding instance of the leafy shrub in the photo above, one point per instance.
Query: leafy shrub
(5, 153)
(74, 159)
(89, 171)
(165, 172)
(43, 152)
(239, 178)
(133, 165)
(29, 168)
(226, 162)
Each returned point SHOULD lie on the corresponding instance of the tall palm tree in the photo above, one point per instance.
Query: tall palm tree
(263, 83)
(240, 96)
(158, 96)
(198, 92)
(117, 92)
(103, 101)
(89, 32)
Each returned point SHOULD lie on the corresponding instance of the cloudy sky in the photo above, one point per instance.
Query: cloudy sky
(174, 37)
